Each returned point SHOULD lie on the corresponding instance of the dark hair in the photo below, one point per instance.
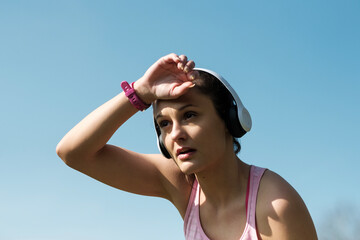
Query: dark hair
(221, 98)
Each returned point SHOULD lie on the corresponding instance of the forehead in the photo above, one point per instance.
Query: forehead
(192, 97)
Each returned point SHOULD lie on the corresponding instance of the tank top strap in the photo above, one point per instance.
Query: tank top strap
(192, 225)
(255, 176)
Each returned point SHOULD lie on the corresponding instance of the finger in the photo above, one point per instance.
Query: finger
(182, 63)
(189, 66)
(172, 57)
(181, 89)
(183, 58)
(193, 75)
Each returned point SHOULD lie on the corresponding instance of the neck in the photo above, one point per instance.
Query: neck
(224, 182)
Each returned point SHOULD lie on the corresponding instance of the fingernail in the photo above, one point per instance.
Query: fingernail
(186, 69)
(193, 85)
(192, 77)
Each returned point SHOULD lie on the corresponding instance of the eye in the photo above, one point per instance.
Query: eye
(163, 123)
(188, 115)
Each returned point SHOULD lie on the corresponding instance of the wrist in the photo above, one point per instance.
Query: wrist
(143, 92)
(134, 99)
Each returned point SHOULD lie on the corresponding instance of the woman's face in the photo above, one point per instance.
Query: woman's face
(193, 133)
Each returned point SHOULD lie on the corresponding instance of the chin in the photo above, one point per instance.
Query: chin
(189, 168)
(186, 167)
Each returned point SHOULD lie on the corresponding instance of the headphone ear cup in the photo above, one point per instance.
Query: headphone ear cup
(161, 145)
(163, 148)
(233, 123)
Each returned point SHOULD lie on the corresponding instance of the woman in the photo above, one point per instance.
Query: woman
(217, 195)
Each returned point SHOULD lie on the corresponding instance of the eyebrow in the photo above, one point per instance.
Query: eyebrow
(179, 109)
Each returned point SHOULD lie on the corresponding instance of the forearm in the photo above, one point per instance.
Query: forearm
(168, 78)
(94, 131)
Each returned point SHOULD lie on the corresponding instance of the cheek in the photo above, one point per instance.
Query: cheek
(209, 136)
(213, 135)
(216, 141)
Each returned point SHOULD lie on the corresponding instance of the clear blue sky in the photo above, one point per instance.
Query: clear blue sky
(295, 65)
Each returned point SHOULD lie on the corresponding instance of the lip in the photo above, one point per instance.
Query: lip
(185, 153)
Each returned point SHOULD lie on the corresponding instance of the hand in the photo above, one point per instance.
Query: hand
(168, 78)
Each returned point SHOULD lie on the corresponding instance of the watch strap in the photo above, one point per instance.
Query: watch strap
(133, 98)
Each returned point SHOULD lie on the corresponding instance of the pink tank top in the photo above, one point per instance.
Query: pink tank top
(192, 224)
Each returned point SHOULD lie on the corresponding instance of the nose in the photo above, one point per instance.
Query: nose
(177, 132)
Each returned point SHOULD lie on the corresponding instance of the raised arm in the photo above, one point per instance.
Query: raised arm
(85, 147)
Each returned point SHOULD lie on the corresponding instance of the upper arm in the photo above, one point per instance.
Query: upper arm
(145, 174)
(280, 211)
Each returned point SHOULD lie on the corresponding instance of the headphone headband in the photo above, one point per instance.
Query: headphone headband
(242, 112)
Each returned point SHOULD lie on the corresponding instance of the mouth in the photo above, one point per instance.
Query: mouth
(185, 153)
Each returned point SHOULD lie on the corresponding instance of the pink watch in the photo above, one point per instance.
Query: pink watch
(133, 98)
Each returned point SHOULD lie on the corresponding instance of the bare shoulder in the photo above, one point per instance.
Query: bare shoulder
(177, 186)
(280, 211)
